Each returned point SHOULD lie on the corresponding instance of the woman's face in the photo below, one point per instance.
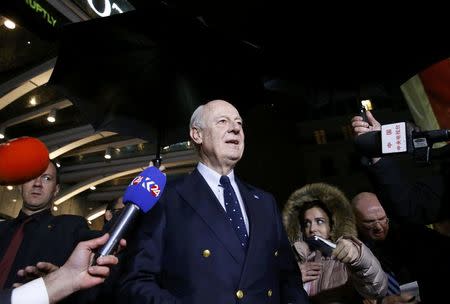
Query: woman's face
(316, 222)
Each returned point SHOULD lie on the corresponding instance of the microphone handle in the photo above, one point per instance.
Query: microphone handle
(117, 231)
(362, 112)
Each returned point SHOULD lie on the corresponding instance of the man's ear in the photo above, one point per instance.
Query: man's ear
(56, 191)
(196, 135)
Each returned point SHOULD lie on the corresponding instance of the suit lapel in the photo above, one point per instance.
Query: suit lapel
(199, 195)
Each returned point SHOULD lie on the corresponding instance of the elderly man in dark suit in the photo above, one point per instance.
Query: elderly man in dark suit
(213, 238)
(36, 235)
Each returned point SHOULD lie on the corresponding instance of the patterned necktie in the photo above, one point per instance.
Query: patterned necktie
(393, 286)
(234, 210)
(11, 252)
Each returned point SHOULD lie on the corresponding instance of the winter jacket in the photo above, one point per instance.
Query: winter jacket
(338, 282)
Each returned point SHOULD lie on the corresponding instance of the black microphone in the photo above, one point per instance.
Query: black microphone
(399, 138)
(429, 138)
(141, 195)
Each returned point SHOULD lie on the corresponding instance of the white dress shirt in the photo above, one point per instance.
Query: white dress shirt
(213, 180)
(32, 292)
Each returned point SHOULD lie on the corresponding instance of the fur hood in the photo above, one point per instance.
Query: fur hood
(332, 197)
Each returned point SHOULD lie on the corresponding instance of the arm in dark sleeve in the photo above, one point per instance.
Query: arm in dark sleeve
(5, 296)
(423, 201)
(140, 282)
(291, 285)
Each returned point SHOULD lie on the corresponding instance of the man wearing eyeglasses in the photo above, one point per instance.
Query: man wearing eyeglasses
(35, 235)
(407, 251)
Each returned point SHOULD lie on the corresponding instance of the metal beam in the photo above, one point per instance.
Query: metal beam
(20, 85)
(36, 113)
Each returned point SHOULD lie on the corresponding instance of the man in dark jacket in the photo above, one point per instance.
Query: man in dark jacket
(412, 252)
(212, 238)
(36, 235)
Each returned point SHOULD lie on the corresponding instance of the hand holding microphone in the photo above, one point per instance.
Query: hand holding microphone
(141, 195)
(360, 126)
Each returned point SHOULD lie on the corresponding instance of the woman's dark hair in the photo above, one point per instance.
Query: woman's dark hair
(311, 204)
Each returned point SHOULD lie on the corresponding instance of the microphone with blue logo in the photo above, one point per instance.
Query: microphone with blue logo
(140, 196)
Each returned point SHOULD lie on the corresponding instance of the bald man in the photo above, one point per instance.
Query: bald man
(371, 219)
(213, 238)
(412, 252)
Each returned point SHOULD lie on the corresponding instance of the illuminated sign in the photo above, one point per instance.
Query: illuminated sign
(104, 8)
(41, 10)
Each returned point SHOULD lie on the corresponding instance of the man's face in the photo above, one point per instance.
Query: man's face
(38, 193)
(222, 137)
(372, 220)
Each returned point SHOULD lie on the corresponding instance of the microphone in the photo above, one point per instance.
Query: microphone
(141, 195)
(21, 160)
(401, 138)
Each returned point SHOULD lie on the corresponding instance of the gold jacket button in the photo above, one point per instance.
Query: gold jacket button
(276, 253)
(206, 253)
(239, 294)
(269, 292)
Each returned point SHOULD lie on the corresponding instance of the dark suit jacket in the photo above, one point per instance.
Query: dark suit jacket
(48, 238)
(5, 296)
(415, 252)
(410, 244)
(170, 262)
(423, 201)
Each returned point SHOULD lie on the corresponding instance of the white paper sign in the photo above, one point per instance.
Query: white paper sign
(393, 138)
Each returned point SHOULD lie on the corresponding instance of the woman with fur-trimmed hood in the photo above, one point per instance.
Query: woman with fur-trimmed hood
(351, 272)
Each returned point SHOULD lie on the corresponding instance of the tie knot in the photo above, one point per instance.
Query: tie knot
(225, 180)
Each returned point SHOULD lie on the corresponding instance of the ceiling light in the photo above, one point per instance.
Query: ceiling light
(9, 24)
(58, 164)
(96, 214)
(92, 188)
(33, 101)
(52, 116)
(108, 153)
(2, 132)
(14, 200)
(9, 188)
(55, 208)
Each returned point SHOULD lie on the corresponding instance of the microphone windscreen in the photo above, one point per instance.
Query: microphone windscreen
(22, 159)
(145, 189)
(369, 144)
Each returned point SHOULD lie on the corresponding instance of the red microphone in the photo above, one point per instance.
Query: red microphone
(22, 159)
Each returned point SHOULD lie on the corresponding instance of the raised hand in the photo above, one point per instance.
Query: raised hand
(346, 251)
(360, 126)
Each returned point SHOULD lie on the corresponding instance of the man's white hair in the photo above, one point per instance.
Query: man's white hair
(197, 119)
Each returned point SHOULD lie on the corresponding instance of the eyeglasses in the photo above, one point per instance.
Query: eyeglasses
(373, 224)
(44, 179)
